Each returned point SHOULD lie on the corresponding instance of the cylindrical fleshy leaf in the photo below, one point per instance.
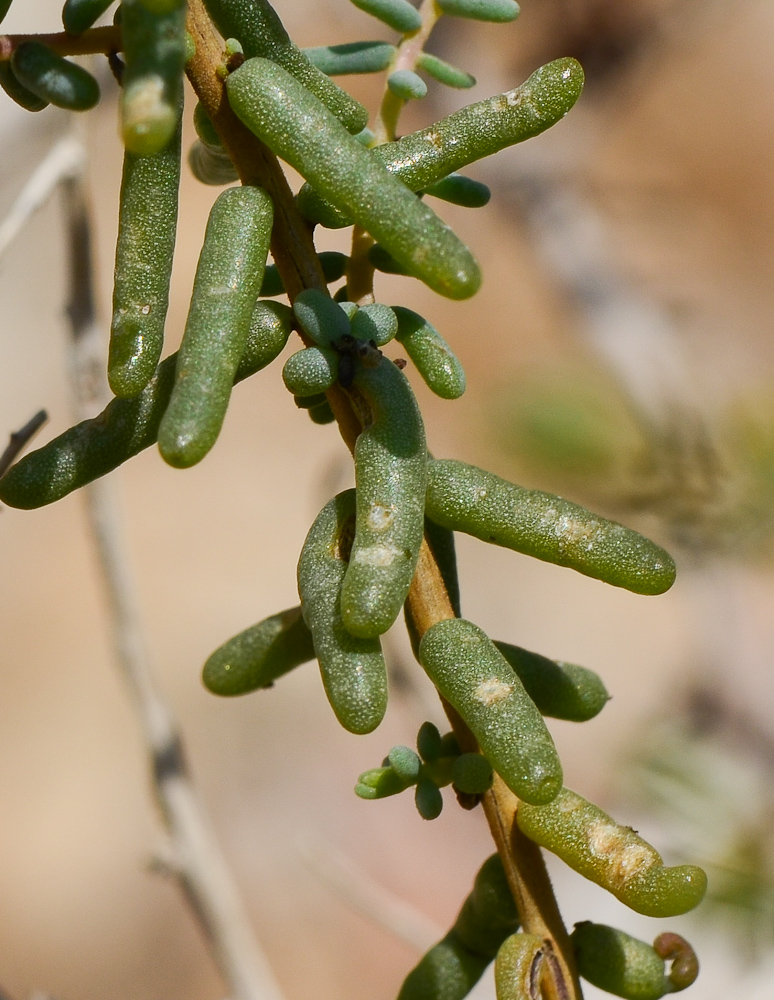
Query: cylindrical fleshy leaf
(472, 674)
(399, 15)
(560, 690)
(17, 91)
(460, 190)
(451, 968)
(228, 278)
(78, 15)
(256, 657)
(353, 669)
(424, 157)
(404, 83)
(298, 128)
(151, 99)
(257, 26)
(499, 11)
(54, 79)
(434, 359)
(352, 57)
(465, 498)
(147, 223)
(127, 426)
(390, 470)
(444, 72)
(613, 856)
(618, 963)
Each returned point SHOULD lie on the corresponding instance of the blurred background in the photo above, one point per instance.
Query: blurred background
(619, 353)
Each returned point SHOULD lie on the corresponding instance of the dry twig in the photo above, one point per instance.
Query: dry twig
(20, 439)
(197, 860)
(368, 897)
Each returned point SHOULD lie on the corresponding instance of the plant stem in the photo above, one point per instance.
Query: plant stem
(428, 603)
(409, 50)
(360, 271)
(428, 600)
(96, 40)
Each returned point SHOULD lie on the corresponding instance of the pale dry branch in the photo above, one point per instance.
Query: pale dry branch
(64, 159)
(197, 860)
(356, 887)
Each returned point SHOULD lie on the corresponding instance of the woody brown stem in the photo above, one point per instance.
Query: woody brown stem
(91, 42)
(428, 601)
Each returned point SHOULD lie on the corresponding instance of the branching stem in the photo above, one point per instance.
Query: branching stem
(360, 272)
(96, 40)
(295, 255)
(20, 439)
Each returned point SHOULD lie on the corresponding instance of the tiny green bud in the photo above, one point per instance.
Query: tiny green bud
(429, 742)
(460, 190)
(428, 799)
(379, 783)
(405, 763)
(308, 402)
(404, 83)
(472, 773)
(321, 413)
(350, 308)
(310, 371)
(375, 322)
(320, 317)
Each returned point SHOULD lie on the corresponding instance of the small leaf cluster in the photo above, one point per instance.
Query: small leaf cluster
(438, 762)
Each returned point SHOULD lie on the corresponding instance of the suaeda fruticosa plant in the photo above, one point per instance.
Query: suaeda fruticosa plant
(388, 544)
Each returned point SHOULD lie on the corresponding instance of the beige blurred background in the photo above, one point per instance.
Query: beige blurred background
(664, 172)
